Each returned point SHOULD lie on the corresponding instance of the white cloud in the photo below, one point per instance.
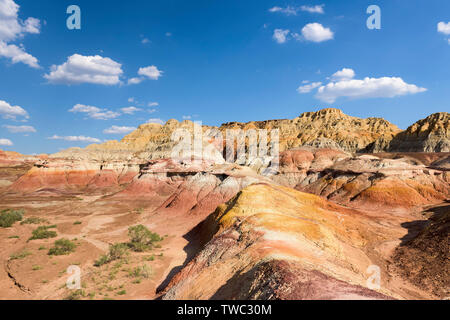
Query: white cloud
(315, 32)
(86, 69)
(151, 72)
(75, 139)
(287, 11)
(187, 117)
(444, 28)
(94, 112)
(135, 80)
(385, 87)
(155, 120)
(130, 110)
(168, 34)
(118, 130)
(17, 54)
(8, 111)
(308, 87)
(151, 110)
(5, 142)
(104, 115)
(13, 28)
(280, 35)
(153, 104)
(145, 40)
(314, 9)
(19, 129)
(131, 99)
(344, 74)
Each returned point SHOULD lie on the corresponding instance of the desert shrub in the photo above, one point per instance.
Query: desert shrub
(14, 237)
(140, 272)
(77, 223)
(121, 293)
(116, 251)
(36, 268)
(62, 247)
(142, 239)
(76, 295)
(20, 255)
(43, 232)
(9, 216)
(33, 220)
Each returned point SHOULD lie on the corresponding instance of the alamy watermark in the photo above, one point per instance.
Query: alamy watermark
(74, 20)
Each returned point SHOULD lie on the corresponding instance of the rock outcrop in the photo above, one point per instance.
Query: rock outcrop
(367, 180)
(272, 242)
(431, 134)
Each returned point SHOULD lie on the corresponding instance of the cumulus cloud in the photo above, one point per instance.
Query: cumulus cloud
(86, 69)
(313, 9)
(287, 11)
(444, 28)
(118, 130)
(308, 87)
(187, 117)
(153, 104)
(280, 35)
(13, 28)
(5, 142)
(19, 129)
(135, 80)
(94, 112)
(150, 72)
(344, 74)
(17, 54)
(385, 87)
(75, 139)
(155, 120)
(315, 32)
(130, 110)
(8, 111)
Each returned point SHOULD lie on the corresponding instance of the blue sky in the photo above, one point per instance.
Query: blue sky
(212, 61)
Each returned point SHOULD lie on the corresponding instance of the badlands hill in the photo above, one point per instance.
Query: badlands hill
(350, 196)
(327, 128)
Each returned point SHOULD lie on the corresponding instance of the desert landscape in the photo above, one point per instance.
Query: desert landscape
(349, 195)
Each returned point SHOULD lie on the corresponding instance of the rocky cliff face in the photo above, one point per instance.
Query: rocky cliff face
(431, 134)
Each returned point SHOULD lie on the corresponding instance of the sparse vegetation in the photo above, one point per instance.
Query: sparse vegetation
(33, 220)
(77, 222)
(116, 251)
(121, 292)
(43, 232)
(62, 247)
(142, 239)
(20, 255)
(143, 271)
(14, 237)
(9, 216)
(76, 295)
(36, 267)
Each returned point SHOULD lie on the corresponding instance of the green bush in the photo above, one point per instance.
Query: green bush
(43, 232)
(116, 251)
(62, 247)
(140, 272)
(20, 255)
(9, 216)
(77, 223)
(142, 239)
